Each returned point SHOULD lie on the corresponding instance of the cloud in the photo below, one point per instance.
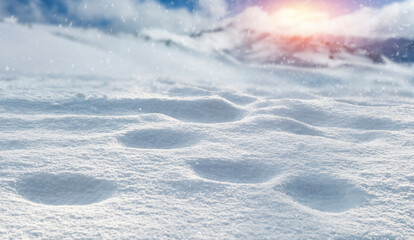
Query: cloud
(393, 20)
(28, 11)
(125, 15)
(214, 8)
(133, 16)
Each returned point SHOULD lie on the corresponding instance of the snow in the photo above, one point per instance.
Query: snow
(120, 137)
(64, 189)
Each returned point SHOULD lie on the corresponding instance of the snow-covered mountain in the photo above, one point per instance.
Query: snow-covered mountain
(263, 48)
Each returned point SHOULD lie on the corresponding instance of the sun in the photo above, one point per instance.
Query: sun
(300, 15)
(301, 19)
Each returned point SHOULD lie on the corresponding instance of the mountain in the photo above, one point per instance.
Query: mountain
(262, 48)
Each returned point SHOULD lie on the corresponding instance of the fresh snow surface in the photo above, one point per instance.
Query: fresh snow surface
(121, 137)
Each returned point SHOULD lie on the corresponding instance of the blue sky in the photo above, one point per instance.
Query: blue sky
(144, 13)
(352, 4)
(190, 3)
(57, 6)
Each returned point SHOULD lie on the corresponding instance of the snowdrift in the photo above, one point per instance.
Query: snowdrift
(121, 136)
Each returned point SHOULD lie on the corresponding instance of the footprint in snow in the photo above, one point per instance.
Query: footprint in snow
(158, 139)
(64, 189)
(233, 172)
(324, 193)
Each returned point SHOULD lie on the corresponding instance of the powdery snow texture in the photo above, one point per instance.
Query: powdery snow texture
(118, 153)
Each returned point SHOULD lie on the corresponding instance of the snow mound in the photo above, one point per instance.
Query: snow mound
(64, 189)
(158, 139)
(233, 172)
(324, 193)
(327, 117)
(204, 110)
(271, 123)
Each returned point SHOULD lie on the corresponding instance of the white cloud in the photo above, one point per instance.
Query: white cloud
(214, 8)
(394, 20)
(125, 15)
(134, 16)
(91, 9)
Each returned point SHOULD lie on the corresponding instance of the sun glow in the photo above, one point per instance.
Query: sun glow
(296, 16)
(300, 19)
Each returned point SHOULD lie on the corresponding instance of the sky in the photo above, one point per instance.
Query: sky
(356, 3)
(237, 5)
(378, 17)
(59, 6)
